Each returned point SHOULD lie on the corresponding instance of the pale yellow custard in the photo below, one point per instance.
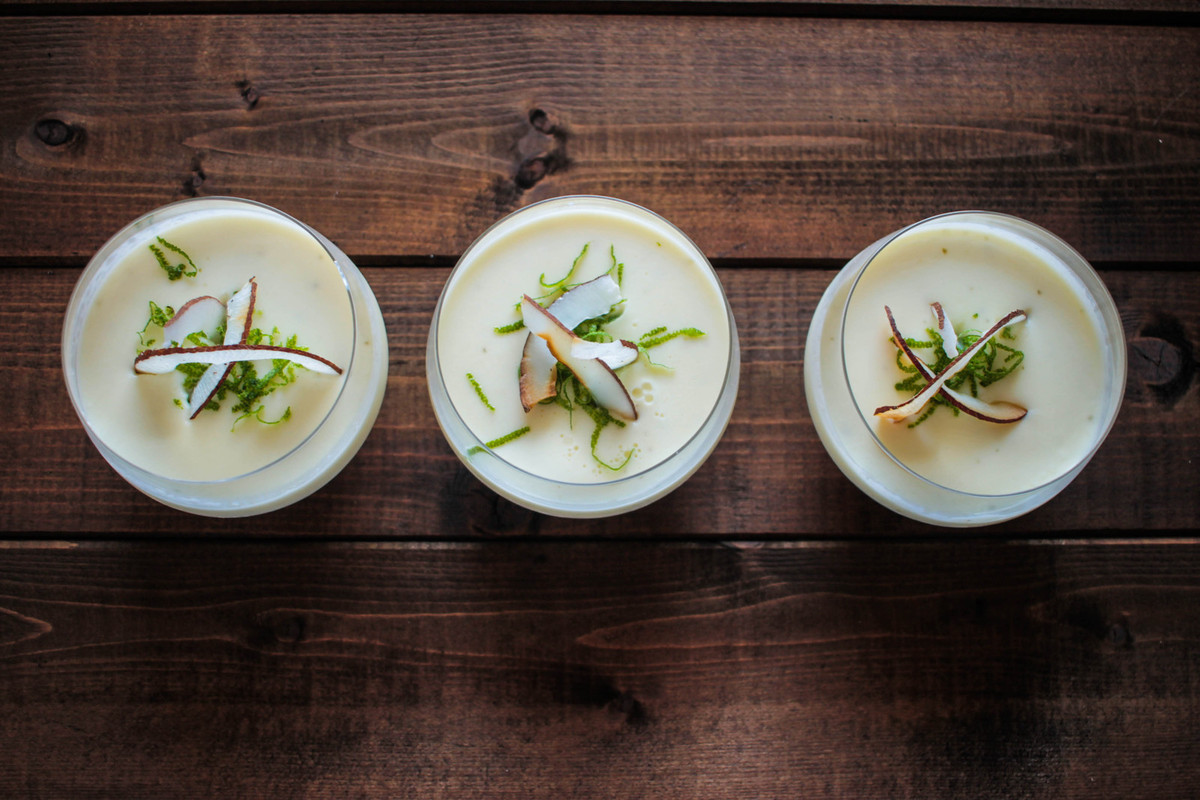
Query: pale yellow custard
(223, 462)
(665, 282)
(979, 275)
(950, 469)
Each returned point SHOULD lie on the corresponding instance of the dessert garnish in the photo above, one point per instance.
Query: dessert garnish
(569, 359)
(660, 335)
(165, 359)
(214, 370)
(174, 271)
(538, 376)
(999, 411)
(501, 440)
(615, 354)
(936, 382)
(483, 398)
(595, 375)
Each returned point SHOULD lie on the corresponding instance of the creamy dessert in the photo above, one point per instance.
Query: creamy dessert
(1009, 375)
(592, 280)
(224, 357)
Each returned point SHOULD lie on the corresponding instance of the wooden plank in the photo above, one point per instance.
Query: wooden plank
(406, 135)
(769, 477)
(797, 7)
(973, 670)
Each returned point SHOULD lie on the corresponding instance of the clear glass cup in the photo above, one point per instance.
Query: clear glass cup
(546, 490)
(320, 453)
(859, 444)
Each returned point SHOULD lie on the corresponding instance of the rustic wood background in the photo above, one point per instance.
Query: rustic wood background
(765, 631)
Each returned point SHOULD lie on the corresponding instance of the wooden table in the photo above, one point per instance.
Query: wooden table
(766, 630)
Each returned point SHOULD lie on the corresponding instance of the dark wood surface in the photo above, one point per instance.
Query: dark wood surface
(765, 631)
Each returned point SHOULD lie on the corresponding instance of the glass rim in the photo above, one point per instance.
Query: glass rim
(94, 269)
(1097, 291)
(731, 358)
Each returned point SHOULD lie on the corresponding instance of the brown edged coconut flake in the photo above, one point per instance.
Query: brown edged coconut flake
(165, 359)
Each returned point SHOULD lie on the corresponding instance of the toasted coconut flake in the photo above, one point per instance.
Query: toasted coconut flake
(198, 314)
(165, 359)
(241, 313)
(586, 301)
(916, 402)
(944, 329)
(999, 412)
(598, 377)
(615, 354)
(537, 376)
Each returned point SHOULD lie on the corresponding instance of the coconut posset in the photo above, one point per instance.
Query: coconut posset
(225, 358)
(583, 360)
(963, 370)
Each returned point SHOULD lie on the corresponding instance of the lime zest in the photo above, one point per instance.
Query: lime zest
(661, 335)
(618, 268)
(174, 271)
(511, 327)
(561, 282)
(160, 316)
(497, 442)
(479, 391)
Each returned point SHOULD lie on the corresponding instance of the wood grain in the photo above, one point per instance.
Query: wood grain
(795, 138)
(1130, 10)
(769, 477)
(973, 670)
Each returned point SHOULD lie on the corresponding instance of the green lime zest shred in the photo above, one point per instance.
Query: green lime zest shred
(511, 327)
(483, 398)
(617, 267)
(257, 413)
(159, 316)
(561, 282)
(497, 442)
(174, 271)
(661, 335)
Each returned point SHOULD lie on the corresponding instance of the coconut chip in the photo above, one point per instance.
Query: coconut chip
(944, 329)
(165, 359)
(202, 314)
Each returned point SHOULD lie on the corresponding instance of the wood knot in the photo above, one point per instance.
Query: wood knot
(541, 150)
(632, 709)
(250, 95)
(289, 630)
(1161, 356)
(194, 180)
(278, 626)
(54, 132)
(1156, 361)
(543, 122)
